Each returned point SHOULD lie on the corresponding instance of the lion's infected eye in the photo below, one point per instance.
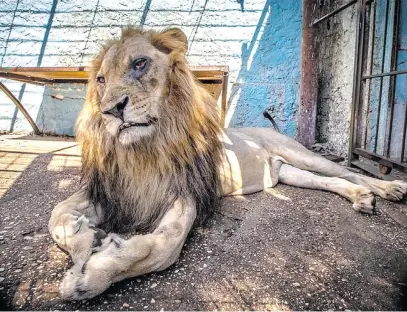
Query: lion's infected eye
(100, 79)
(140, 64)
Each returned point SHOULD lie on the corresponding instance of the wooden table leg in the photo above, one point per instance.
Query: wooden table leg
(223, 101)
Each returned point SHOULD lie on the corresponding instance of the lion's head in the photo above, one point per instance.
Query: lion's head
(130, 83)
(148, 130)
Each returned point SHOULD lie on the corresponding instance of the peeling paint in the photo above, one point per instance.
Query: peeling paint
(336, 39)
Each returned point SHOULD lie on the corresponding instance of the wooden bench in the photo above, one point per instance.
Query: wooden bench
(213, 78)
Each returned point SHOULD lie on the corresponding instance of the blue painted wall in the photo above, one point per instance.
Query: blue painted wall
(260, 40)
(270, 74)
(60, 107)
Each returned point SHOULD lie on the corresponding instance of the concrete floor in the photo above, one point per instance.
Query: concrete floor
(289, 249)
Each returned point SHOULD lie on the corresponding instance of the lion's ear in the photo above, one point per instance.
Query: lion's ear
(171, 39)
(176, 34)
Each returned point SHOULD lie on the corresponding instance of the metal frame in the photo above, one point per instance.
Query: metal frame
(20, 107)
(334, 12)
(355, 148)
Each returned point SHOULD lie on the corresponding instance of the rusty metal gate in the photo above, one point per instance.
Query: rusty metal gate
(379, 101)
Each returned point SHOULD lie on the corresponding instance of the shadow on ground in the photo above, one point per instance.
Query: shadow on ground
(289, 249)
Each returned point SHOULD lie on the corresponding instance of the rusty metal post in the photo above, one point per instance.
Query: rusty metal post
(309, 83)
(357, 78)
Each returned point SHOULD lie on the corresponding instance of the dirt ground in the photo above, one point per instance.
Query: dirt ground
(289, 249)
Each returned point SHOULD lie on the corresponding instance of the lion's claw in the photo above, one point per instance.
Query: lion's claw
(396, 190)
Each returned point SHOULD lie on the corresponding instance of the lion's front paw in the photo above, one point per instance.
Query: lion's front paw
(395, 190)
(68, 226)
(78, 286)
(71, 287)
(365, 201)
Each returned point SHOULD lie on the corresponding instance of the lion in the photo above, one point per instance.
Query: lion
(155, 161)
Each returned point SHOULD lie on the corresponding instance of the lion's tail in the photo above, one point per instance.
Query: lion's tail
(268, 116)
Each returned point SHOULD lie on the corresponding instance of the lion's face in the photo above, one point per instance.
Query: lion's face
(130, 84)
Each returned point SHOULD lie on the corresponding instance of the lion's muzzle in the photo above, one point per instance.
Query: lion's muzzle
(117, 109)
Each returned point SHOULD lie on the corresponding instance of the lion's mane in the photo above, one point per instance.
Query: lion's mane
(136, 184)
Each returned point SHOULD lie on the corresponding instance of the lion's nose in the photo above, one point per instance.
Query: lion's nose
(118, 109)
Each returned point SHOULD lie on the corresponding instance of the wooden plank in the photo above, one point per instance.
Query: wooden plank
(372, 170)
(82, 72)
(381, 159)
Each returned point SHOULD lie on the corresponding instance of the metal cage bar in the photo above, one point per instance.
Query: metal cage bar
(403, 141)
(392, 73)
(357, 74)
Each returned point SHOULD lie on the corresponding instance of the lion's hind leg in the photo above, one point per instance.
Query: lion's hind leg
(275, 164)
(300, 157)
(362, 198)
(307, 160)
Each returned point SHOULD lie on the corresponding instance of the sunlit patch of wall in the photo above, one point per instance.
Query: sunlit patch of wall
(270, 70)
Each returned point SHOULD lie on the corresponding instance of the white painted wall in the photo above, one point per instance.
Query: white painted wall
(252, 38)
